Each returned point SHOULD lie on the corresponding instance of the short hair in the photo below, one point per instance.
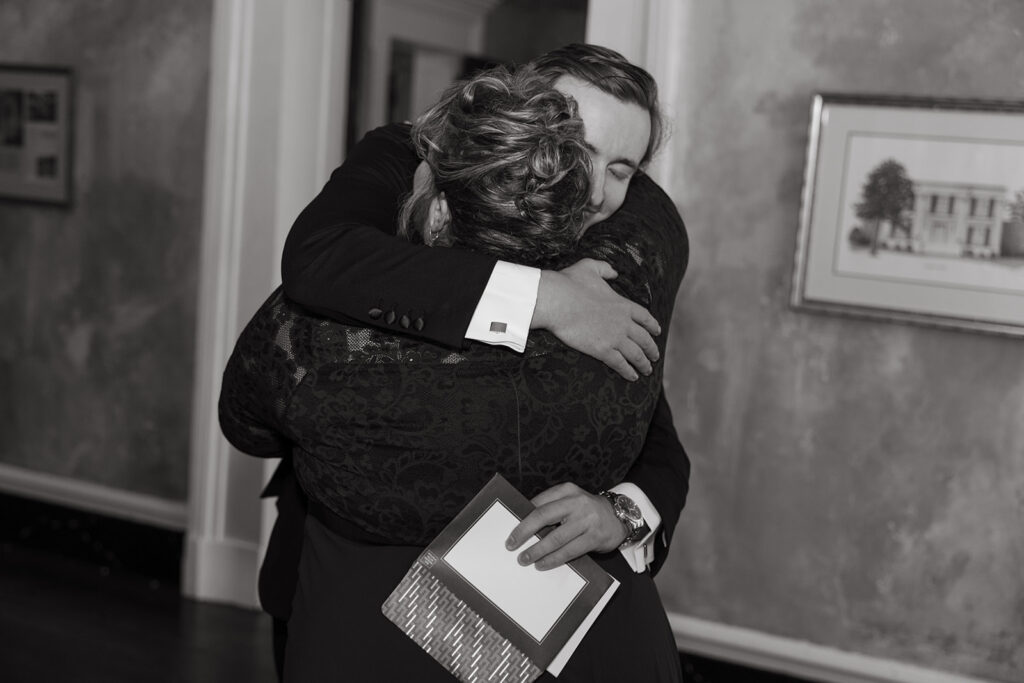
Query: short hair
(610, 72)
(508, 152)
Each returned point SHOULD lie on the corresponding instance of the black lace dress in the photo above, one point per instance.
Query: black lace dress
(391, 437)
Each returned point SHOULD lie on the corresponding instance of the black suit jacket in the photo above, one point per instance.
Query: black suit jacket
(341, 260)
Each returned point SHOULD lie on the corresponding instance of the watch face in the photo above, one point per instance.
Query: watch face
(625, 506)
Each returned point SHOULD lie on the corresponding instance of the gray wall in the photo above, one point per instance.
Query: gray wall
(857, 484)
(99, 300)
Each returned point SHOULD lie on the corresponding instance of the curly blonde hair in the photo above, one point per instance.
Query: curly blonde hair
(508, 152)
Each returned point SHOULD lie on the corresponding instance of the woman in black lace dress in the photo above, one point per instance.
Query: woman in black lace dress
(392, 436)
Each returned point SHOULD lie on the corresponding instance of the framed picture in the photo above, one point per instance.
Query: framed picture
(35, 133)
(913, 210)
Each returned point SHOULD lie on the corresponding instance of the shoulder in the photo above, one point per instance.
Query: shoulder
(647, 203)
(395, 133)
(645, 241)
(381, 147)
(394, 137)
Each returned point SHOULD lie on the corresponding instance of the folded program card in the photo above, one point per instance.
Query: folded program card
(531, 598)
(471, 606)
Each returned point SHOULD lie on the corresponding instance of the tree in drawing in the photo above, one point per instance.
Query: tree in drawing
(887, 193)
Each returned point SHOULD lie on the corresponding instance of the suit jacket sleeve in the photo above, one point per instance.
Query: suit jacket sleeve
(649, 225)
(343, 261)
(663, 473)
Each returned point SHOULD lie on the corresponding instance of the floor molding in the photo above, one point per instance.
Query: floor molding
(797, 658)
(224, 570)
(84, 495)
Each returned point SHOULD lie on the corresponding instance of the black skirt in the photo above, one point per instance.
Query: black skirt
(338, 633)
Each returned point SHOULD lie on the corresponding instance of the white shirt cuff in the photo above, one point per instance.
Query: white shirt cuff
(640, 554)
(506, 307)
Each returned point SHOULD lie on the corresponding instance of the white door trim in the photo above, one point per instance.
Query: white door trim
(648, 33)
(278, 90)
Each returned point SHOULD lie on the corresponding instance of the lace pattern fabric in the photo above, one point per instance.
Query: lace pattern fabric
(395, 434)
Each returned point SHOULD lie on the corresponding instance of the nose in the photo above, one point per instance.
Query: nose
(596, 192)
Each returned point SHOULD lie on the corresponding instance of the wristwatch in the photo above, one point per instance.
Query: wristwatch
(629, 514)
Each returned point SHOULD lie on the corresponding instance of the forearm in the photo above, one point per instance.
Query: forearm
(343, 260)
(356, 273)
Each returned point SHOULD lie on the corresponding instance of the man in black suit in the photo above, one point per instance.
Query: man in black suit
(342, 260)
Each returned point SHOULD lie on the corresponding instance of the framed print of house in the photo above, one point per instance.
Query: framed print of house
(913, 210)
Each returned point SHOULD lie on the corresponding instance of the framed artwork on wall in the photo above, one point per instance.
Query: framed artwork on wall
(913, 210)
(35, 133)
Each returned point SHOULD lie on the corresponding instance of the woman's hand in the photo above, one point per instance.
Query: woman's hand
(577, 306)
(586, 523)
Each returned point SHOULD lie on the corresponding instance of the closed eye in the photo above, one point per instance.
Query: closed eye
(623, 174)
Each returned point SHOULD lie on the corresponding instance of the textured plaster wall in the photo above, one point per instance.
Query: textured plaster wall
(856, 484)
(99, 300)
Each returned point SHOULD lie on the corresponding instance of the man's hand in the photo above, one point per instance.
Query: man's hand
(586, 523)
(577, 306)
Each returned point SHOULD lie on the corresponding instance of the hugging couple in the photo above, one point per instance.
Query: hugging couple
(481, 292)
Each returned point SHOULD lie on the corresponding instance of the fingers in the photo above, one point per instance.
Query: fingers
(580, 527)
(637, 357)
(631, 359)
(555, 548)
(588, 267)
(640, 350)
(617, 362)
(552, 507)
(594, 319)
(577, 547)
(556, 492)
(643, 317)
(543, 516)
(645, 341)
(606, 271)
(633, 355)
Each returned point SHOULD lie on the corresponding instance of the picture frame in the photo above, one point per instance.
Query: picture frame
(36, 114)
(913, 211)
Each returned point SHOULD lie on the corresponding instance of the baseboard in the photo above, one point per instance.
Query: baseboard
(797, 658)
(83, 495)
(221, 570)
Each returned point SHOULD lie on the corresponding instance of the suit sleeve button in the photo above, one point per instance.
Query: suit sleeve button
(375, 313)
(389, 318)
(405, 322)
(418, 323)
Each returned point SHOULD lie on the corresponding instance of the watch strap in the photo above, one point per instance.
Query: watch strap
(636, 529)
(640, 555)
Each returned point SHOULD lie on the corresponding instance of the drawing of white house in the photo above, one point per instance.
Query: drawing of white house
(951, 219)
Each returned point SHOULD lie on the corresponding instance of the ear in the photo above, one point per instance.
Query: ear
(439, 222)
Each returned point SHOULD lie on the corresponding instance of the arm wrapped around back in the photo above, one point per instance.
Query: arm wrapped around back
(395, 435)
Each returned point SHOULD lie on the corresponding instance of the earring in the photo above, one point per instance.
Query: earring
(433, 227)
(433, 234)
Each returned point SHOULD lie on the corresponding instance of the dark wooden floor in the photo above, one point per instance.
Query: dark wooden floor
(84, 598)
(73, 621)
